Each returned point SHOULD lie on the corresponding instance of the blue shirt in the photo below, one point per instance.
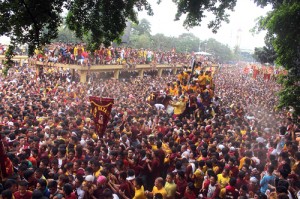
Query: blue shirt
(267, 179)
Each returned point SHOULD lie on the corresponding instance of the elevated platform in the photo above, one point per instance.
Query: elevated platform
(116, 69)
(84, 70)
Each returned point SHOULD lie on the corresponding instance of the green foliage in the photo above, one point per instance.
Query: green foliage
(36, 22)
(30, 22)
(246, 56)
(8, 63)
(162, 42)
(140, 41)
(265, 55)
(195, 11)
(66, 35)
(283, 27)
(104, 20)
(219, 50)
(143, 27)
(187, 42)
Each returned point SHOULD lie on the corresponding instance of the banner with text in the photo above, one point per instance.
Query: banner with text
(101, 108)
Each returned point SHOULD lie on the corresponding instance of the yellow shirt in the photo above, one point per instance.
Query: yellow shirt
(179, 107)
(180, 77)
(166, 148)
(223, 181)
(185, 88)
(208, 79)
(140, 53)
(198, 178)
(202, 80)
(154, 147)
(173, 91)
(194, 88)
(170, 189)
(242, 161)
(108, 53)
(139, 193)
(185, 75)
(162, 191)
(75, 51)
(97, 173)
(243, 132)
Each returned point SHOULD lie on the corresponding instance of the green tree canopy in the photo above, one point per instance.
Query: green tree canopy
(282, 24)
(267, 53)
(30, 22)
(195, 11)
(36, 22)
(143, 27)
(219, 50)
(187, 42)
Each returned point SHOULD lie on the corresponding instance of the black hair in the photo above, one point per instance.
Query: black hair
(68, 189)
(6, 194)
(123, 175)
(42, 182)
(52, 184)
(23, 183)
(158, 196)
(28, 173)
(9, 183)
(232, 181)
(37, 194)
(80, 178)
(139, 181)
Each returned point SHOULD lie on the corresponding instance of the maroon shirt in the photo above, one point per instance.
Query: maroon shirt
(71, 196)
(181, 185)
(155, 166)
(27, 195)
(125, 187)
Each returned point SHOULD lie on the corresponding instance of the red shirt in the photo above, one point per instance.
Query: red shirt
(27, 195)
(188, 195)
(155, 166)
(71, 196)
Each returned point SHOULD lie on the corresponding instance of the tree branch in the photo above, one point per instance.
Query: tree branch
(35, 24)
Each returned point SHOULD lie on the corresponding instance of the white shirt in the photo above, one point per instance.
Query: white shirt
(80, 192)
(159, 106)
(211, 190)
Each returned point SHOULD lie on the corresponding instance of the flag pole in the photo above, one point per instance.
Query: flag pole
(193, 64)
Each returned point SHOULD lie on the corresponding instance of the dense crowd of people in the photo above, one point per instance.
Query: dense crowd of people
(220, 136)
(68, 53)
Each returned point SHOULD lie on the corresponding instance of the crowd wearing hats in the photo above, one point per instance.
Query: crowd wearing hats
(222, 138)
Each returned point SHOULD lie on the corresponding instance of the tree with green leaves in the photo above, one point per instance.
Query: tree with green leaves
(140, 41)
(143, 27)
(219, 50)
(187, 42)
(267, 53)
(36, 22)
(195, 12)
(66, 35)
(282, 24)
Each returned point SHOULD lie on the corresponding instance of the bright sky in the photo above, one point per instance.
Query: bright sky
(243, 19)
